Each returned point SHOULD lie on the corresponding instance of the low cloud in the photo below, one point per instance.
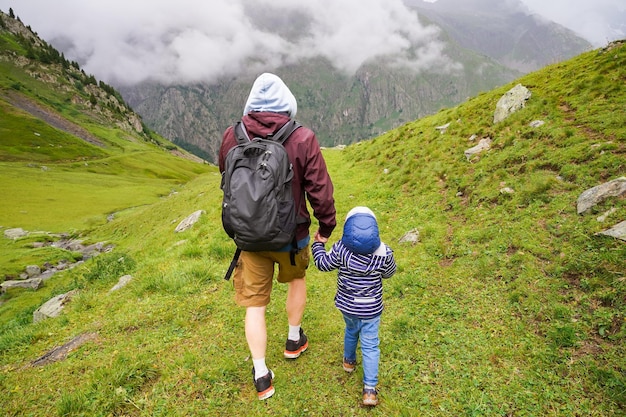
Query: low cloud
(126, 42)
(598, 21)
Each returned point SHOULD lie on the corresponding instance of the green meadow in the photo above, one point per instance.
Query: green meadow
(509, 304)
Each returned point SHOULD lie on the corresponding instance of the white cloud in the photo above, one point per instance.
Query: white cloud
(598, 21)
(194, 40)
(191, 40)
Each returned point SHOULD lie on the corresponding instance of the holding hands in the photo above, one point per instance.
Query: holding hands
(320, 238)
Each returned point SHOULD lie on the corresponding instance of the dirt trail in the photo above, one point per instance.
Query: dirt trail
(52, 118)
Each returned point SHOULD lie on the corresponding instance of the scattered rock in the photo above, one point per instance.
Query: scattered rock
(412, 237)
(606, 214)
(512, 101)
(189, 221)
(618, 231)
(483, 145)
(442, 129)
(537, 123)
(507, 190)
(33, 271)
(53, 307)
(32, 283)
(59, 353)
(121, 283)
(597, 194)
(15, 233)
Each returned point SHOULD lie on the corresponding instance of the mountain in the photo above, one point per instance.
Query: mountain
(506, 302)
(345, 110)
(58, 124)
(503, 31)
(492, 41)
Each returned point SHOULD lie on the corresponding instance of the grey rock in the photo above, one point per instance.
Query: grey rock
(189, 221)
(483, 145)
(599, 193)
(32, 283)
(33, 271)
(512, 101)
(53, 307)
(15, 233)
(123, 281)
(618, 231)
(412, 236)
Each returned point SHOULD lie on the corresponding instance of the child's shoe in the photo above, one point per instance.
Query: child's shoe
(349, 366)
(370, 396)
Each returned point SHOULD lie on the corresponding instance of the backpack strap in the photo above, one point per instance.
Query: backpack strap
(284, 132)
(280, 136)
(241, 135)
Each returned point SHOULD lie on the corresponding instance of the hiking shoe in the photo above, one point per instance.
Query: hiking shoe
(293, 348)
(349, 366)
(370, 396)
(263, 385)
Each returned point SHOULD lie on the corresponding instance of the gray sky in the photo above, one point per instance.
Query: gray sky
(192, 40)
(598, 21)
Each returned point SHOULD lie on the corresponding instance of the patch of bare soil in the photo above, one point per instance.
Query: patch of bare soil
(51, 117)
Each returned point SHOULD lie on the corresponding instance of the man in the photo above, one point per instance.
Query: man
(269, 106)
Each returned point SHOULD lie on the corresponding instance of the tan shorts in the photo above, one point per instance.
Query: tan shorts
(254, 275)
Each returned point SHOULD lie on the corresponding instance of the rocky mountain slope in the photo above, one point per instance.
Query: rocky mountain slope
(37, 80)
(492, 41)
(503, 31)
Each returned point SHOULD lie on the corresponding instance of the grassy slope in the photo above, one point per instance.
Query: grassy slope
(509, 305)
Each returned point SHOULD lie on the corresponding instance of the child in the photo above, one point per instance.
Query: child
(362, 261)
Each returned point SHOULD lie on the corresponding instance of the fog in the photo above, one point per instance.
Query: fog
(189, 40)
(126, 42)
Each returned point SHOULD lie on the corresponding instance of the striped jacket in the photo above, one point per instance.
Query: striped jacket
(359, 277)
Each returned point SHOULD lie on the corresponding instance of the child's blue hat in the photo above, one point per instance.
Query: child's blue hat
(360, 231)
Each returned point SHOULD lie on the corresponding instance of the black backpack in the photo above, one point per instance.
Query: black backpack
(258, 208)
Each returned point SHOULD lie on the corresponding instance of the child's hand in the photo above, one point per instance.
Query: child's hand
(319, 238)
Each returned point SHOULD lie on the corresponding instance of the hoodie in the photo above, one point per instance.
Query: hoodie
(269, 106)
(360, 275)
(270, 94)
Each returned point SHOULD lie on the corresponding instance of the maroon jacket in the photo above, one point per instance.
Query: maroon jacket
(310, 174)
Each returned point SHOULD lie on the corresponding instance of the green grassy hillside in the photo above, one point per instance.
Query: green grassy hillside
(509, 305)
(71, 151)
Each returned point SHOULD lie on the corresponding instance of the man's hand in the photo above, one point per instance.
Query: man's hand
(320, 238)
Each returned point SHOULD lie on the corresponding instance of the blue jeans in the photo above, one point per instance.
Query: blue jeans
(367, 332)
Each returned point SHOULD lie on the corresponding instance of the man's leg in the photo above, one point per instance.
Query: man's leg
(297, 341)
(256, 333)
(252, 280)
(296, 301)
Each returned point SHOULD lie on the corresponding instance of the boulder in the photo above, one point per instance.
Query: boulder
(121, 283)
(599, 193)
(412, 236)
(15, 233)
(32, 283)
(189, 221)
(483, 145)
(33, 271)
(618, 231)
(53, 307)
(512, 101)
